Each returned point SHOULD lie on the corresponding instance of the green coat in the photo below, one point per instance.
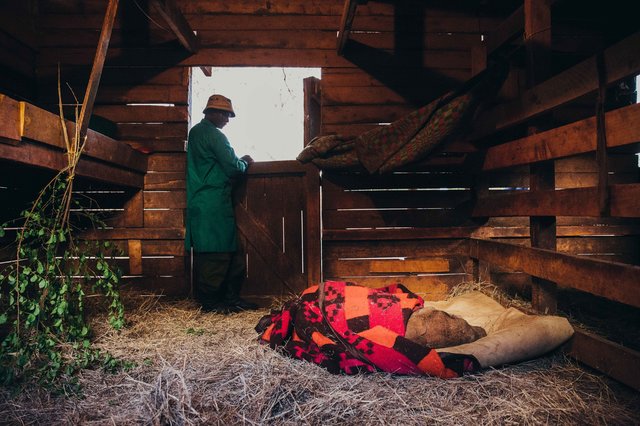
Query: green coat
(211, 165)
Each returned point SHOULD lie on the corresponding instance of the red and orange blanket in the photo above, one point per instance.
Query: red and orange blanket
(348, 328)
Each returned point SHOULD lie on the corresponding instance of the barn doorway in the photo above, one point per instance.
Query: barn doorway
(269, 105)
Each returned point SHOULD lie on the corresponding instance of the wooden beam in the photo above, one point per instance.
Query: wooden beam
(421, 266)
(44, 127)
(623, 128)
(610, 358)
(580, 202)
(601, 133)
(207, 70)
(312, 229)
(537, 40)
(621, 60)
(53, 159)
(169, 10)
(348, 13)
(614, 281)
(96, 69)
(11, 120)
(508, 30)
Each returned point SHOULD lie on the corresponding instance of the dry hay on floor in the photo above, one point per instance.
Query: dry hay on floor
(197, 368)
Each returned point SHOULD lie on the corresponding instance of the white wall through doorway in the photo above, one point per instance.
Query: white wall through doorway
(269, 106)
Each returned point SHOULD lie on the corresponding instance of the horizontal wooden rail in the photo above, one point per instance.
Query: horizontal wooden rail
(621, 60)
(32, 154)
(623, 128)
(614, 281)
(610, 358)
(624, 202)
(104, 159)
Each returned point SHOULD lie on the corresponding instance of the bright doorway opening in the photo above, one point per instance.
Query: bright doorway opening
(269, 106)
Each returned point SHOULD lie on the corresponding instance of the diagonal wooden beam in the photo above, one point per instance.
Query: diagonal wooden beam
(178, 23)
(348, 13)
(96, 70)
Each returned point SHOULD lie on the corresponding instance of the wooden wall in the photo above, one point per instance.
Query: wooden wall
(371, 84)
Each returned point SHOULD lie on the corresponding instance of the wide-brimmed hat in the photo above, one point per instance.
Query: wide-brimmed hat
(221, 103)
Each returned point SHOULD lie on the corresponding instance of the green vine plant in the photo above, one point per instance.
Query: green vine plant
(43, 326)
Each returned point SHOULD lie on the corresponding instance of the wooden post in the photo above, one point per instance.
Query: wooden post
(96, 70)
(312, 109)
(601, 145)
(313, 232)
(537, 30)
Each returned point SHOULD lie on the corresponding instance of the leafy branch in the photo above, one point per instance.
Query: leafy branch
(43, 328)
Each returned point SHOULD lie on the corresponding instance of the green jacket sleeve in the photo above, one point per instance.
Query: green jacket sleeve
(231, 165)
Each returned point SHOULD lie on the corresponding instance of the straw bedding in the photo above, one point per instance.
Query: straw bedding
(197, 368)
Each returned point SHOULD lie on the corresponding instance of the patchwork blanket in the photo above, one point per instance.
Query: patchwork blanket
(347, 328)
(411, 138)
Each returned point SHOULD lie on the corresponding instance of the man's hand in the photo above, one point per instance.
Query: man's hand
(247, 159)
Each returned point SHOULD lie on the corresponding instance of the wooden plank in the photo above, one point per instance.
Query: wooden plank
(163, 247)
(166, 286)
(605, 356)
(134, 234)
(392, 218)
(360, 96)
(167, 162)
(162, 56)
(96, 69)
(162, 266)
(288, 273)
(336, 199)
(165, 199)
(134, 211)
(623, 128)
(309, 38)
(620, 59)
(40, 156)
(409, 266)
(593, 276)
(11, 120)
(625, 202)
(135, 257)
(152, 146)
(171, 14)
(370, 267)
(155, 131)
(143, 94)
(334, 250)
(312, 226)
(399, 234)
(45, 127)
(115, 76)
(356, 77)
(435, 21)
(143, 113)
(407, 180)
(164, 181)
(434, 287)
(364, 114)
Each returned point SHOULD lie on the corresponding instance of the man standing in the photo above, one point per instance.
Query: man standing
(219, 268)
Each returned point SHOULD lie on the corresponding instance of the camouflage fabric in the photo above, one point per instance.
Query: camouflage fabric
(413, 137)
